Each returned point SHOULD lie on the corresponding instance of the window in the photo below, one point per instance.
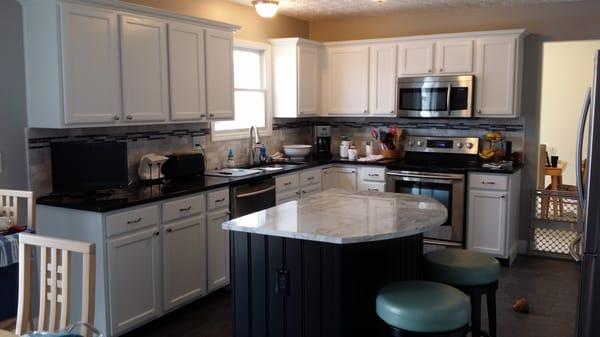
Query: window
(251, 94)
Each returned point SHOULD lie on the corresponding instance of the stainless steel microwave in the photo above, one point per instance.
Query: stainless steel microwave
(436, 96)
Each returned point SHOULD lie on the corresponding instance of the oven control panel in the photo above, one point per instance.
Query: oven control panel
(455, 145)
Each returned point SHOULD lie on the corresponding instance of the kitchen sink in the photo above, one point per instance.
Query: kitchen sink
(233, 172)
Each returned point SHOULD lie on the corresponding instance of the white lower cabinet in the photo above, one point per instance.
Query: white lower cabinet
(346, 177)
(134, 277)
(492, 214)
(295, 186)
(184, 261)
(217, 240)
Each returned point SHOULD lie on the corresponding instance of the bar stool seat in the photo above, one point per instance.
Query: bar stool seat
(461, 267)
(476, 274)
(429, 308)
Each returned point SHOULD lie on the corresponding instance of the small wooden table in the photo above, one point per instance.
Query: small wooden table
(555, 174)
(4, 333)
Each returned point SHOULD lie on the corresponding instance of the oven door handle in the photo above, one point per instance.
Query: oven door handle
(448, 93)
(425, 177)
(249, 194)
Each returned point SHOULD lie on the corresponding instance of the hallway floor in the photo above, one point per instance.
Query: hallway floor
(549, 285)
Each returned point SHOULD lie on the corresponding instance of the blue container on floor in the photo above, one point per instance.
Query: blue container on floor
(9, 285)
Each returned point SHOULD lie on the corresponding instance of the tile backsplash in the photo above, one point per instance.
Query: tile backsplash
(178, 138)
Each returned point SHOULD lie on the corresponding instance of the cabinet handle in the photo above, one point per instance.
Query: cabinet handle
(169, 230)
(373, 174)
(156, 233)
(503, 197)
(131, 222)
(441, 70)
(365, 111)
(429, 70)
(373, 189)
(287, 184)
(220, 200)
(185, 209)
(129, 117)
(117, 117)
(483, 182)
(303, 192)
(211, 115)
(310, 178)
(297, 193)
(203, 115)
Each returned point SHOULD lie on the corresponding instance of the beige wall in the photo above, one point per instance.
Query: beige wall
(567, 72)
(254, 27)
(577, 20)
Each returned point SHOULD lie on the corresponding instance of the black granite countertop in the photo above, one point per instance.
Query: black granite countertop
(141, 193)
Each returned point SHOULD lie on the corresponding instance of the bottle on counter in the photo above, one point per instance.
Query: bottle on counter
(230, 159)
(263, 153)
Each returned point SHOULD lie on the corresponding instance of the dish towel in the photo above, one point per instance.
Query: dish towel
(9, 249)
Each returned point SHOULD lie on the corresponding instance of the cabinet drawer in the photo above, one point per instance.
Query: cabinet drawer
(489, 181)
(182, 208)
(128, 221)
(309, 190)
(310, 177)
(372, 173)
(371, 186)
(283, 197)
(218, 199)
(287, 182)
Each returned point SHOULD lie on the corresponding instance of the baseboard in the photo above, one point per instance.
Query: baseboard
(522, 247)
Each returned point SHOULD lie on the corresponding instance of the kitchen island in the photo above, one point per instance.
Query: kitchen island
(313, 267)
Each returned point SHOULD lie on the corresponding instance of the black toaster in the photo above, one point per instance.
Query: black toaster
(183, 165)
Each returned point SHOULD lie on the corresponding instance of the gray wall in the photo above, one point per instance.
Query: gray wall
(13, 117)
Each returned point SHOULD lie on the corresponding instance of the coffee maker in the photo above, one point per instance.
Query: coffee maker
(322, 143)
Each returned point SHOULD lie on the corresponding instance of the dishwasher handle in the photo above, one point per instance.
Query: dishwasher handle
(249, 194)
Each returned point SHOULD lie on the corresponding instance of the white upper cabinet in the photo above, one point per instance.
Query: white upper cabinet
(186, 72)
(348, 80)
(308, 80)
(455, 56)
(90, 58)
(144, 69)
(416, 58)
(382, 88)
(219, 74)
(496, 78)
(296, 77)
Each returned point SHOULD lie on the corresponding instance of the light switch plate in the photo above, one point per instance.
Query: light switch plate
(198, 142)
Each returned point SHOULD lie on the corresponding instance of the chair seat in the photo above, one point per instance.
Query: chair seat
(461, 267)
(423, 306)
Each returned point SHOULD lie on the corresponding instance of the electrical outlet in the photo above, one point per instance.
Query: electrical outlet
(198, 142)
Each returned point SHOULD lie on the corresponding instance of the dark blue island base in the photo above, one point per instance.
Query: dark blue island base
(297, 288)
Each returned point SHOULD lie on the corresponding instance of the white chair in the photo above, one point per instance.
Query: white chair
(55, 282)
(9, 206)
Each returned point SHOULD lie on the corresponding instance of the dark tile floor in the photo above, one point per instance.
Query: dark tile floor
(549, 285)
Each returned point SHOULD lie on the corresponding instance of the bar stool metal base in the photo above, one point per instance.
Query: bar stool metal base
(395, 332)
(475, 293)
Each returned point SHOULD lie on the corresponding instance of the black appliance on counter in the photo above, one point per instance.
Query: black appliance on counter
(322, 142)
(436, 167)
(184, 165)
(79, 167)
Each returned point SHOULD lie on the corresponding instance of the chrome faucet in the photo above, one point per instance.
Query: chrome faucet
(254, 144)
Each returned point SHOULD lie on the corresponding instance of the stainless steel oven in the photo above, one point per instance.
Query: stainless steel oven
(436, 96)
(448, 189)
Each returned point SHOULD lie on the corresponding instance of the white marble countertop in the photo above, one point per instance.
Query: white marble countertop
(341, 216)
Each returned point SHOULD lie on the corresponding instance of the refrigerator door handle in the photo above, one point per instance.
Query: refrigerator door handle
(579, 150)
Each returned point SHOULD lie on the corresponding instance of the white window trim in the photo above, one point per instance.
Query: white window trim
(225, 135)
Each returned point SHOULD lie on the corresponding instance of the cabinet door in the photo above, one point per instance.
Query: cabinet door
(383, 79)
(217, 241)
(455, 56)
(144, 69)
(90, 65)
(348, 81)
(184, 261)
(496, 80)
(186, 72)
(487, 222)
(346, 178)
(328, 178)
(219, 74)
(416, 58)
(308, 81)
(306, 191)
(133, 271)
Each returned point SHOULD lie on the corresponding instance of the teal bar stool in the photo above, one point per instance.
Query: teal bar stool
(476, 274)
(423, 309)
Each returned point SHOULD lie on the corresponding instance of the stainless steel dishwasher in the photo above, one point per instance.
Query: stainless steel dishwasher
(252, 197)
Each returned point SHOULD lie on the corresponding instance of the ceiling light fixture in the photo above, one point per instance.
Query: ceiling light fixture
(266, 8)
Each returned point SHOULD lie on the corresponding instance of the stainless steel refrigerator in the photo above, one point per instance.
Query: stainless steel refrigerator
(588, 146)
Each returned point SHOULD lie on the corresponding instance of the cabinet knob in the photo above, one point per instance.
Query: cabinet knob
(429, 70)
(169, 230)
(203, 115)
(503, 197)
(117, 117)
(129, 117)
(392, 112)
(156, 233)
(211, 115)
(365, 111)
(298, 193)
(441, 70)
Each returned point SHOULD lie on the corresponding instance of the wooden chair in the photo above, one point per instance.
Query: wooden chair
(9, 206)
(55, 282)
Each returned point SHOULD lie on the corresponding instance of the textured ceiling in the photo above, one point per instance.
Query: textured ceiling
(313, 10)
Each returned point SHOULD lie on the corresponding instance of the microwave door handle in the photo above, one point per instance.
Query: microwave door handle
(448, 98)
(579, 150)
